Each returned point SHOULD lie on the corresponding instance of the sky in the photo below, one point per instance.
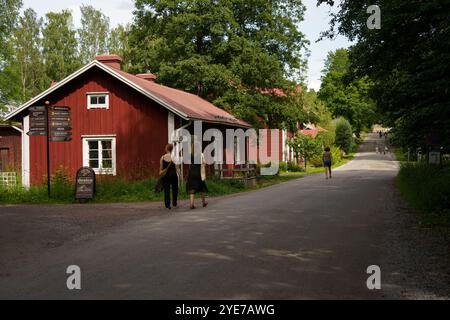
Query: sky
(121, 11)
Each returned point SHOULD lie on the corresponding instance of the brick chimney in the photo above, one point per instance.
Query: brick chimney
(113, 61)
(147, 76)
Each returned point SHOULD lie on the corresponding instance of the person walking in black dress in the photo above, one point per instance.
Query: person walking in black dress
(170, 179)
(196, 181)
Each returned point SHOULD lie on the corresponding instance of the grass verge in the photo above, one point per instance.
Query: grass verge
(115, 190)
(427, 189)
(312, 169)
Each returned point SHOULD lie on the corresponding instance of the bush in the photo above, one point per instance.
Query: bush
(305, 146)
(295, 167)
(425, 186)
(327, 138)
(283, 166)
(344, 135)
(336, 154)
(316, 161)
(62, 187)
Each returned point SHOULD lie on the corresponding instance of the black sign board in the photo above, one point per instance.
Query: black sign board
(37, 133)
(63, 123)
(61, 133)
(60, 124)
(38, 121)
(60, 108)
(38, 114)
(61, 139)
(60, 114)
(38, 124)
(39, 118)
(38, 129)
(61, 128)
(85, 184)
(38, 108)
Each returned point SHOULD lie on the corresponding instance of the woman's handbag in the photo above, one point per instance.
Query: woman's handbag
(159, 187)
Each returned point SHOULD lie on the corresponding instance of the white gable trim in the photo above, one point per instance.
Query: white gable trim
(81, 71)
(26, 153)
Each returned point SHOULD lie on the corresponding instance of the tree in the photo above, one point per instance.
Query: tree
(407, 61)
(229, 52)
(305, 146)
(93, 34)
(118, 41)
(344, 135)
(345, 96)
(59, 45)
(28, 57)
(9, 14)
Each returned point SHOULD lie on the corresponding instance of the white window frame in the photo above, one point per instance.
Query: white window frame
(97, 106)
(112, 138)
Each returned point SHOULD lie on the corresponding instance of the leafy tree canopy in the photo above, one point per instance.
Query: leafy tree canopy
(407, 60)
(93, 34)
(229, 52)
(345, 95)
(9, 13)
(60, 45)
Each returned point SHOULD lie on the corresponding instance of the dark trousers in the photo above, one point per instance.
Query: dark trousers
(170, 181)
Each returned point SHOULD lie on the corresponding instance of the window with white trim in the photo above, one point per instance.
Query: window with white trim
(99, 153)
(98, 100)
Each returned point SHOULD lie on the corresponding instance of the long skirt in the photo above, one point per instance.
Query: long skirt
(194, 181)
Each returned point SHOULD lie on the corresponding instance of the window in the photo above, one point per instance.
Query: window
(99, 153)
(98, 100)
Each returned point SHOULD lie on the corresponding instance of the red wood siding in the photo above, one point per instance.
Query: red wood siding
(10, 149)
(140, 126)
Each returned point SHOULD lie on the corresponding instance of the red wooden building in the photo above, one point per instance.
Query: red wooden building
(120, 122)
(10, 148)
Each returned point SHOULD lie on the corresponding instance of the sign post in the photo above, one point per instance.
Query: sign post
(54, 124)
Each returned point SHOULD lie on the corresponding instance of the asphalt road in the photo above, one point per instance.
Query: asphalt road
(305, 239)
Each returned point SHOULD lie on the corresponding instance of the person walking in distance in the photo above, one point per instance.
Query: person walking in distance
(327, 162)
(168, 172)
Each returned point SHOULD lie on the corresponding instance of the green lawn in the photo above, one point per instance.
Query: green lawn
(124, 191)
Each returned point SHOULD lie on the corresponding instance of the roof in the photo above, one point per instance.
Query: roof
(10, 126)
(186, 105)
(189, 104)
(312, 133)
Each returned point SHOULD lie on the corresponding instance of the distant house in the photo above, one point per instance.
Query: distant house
(10, 148)
(120, 122)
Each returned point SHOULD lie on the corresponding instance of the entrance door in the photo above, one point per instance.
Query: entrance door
(4, 158)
